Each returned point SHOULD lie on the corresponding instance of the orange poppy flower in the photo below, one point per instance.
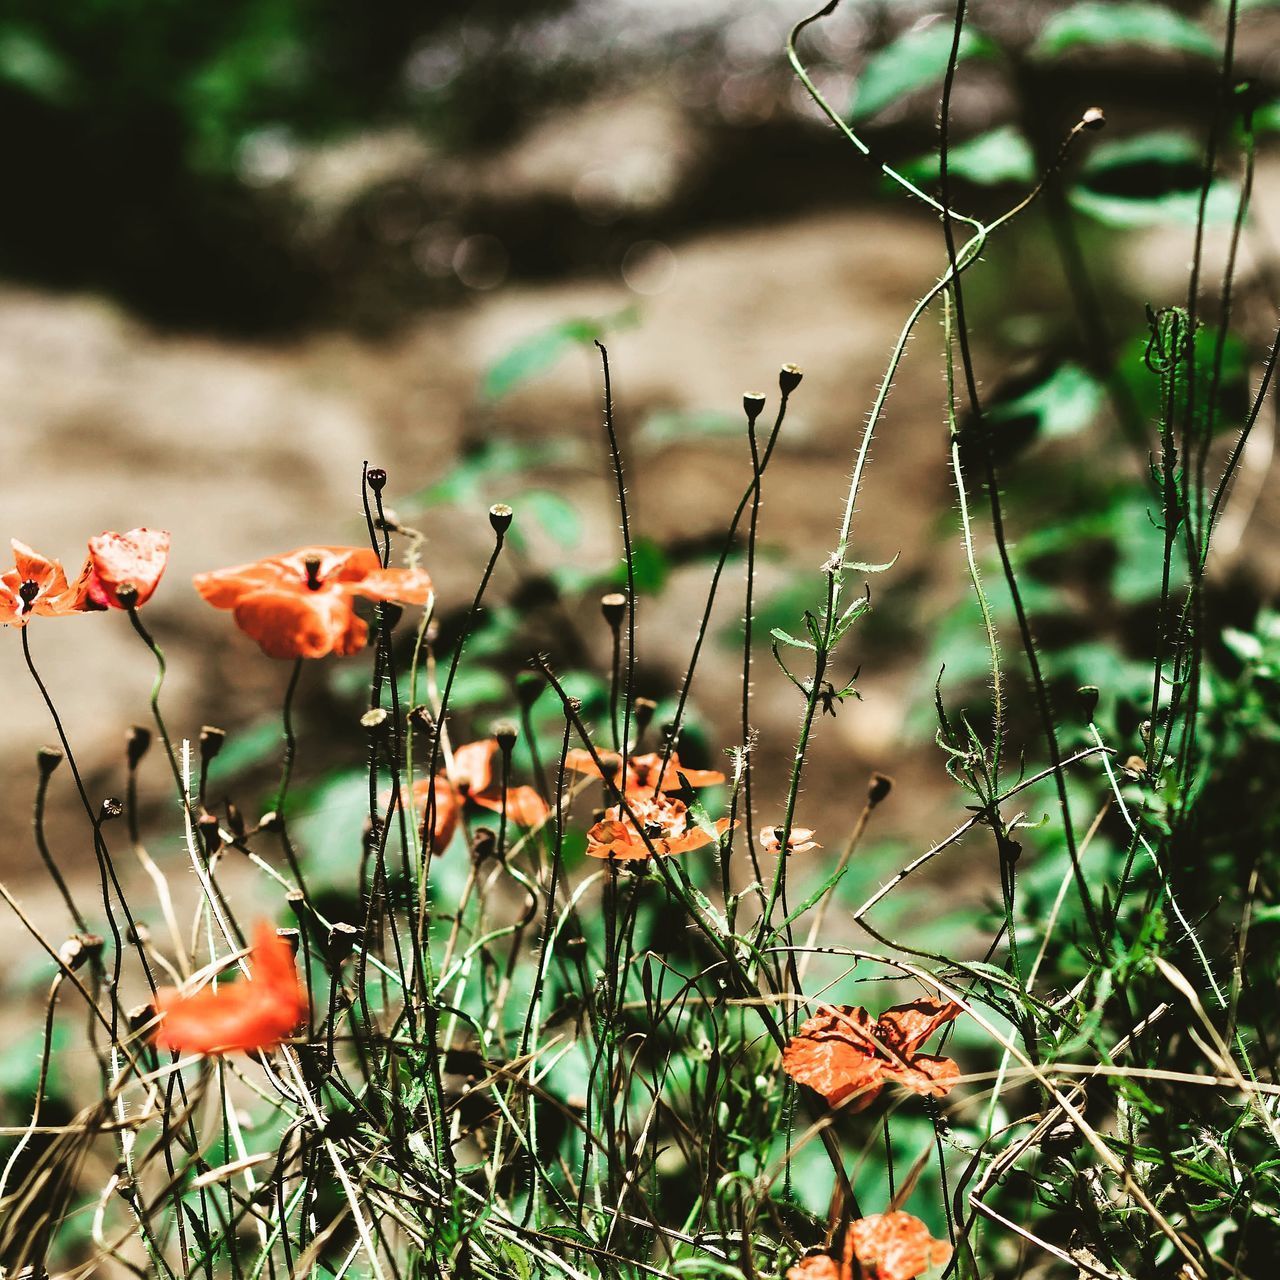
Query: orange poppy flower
(444, 819)
(300, 605)
(137, 558)
(842, 1054)
(663, 820)
(476, 778)
(642, 771)
(799, 840)
(259, 1012)
(884, 1246)
(34, 585)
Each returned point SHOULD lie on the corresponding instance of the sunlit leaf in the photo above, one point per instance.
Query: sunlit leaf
(558, 516)
(1150, 179)
(1064, 403)
(915, 59)
(1003, 155)
(1098, 23)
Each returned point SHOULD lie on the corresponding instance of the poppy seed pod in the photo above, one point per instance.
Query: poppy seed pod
(644, 709)
(484, 844)
(376, 478)
(127, 595)
(211, 740)
(1094, 118)
(878, 788)
(112, 807)
(292, 936)
(342, 942)
(500, 517)
(391, 613)
(422, 721)
(270, 821)
(375, 721)
(139, 1016)
(137, 740)
(505, 733)
(789, 378)
(753, 405)
(47, 760)
(296, 900)
(235, 820)
(614, 608)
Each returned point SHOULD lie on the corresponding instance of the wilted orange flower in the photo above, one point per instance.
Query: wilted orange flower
(642, 771)
(799, 840)
(476, 778)
(885, 1246)
(664, 821)
(843, 1055)
(137, 558)
(33, 585)
(301, 605)
(259, 1012)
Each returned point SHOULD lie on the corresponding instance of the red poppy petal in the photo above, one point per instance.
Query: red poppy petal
(897, 1245)
(288, 624)
(138, 557)
(473, 765)
(819, 1267)
(409, 586)
(906, 1027)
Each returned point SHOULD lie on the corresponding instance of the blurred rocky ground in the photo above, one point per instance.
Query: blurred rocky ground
(688, 196)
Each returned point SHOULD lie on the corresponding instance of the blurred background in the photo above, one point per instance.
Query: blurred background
(246, 247)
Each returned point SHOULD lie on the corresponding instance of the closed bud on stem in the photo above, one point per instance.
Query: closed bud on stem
(529, 684)
(753, 405)
(878, 788)
(47, 760)
(209, 833)
(644, 709)
(614, 608)
(270, 821)
(72, 953)
(137, 741)
(789, 378)
(1094, 118)
(235, 820)
(484, 844)
(500, 518)
(1088, 696)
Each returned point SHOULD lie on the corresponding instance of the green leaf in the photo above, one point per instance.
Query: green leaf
(670, 427)
(555, 514)
(28, 62)
(471, 481)
(913, 60)
(539, 354)
(1150, 179)
(1266, 119)
(1003, 155)
(649, 565)
(785, 637)
(1098, 23)
(1064, 403)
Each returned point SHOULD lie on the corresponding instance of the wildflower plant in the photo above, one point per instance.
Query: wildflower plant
(576, 1005)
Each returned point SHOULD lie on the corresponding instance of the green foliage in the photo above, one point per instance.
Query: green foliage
(1101, 23)
(913, 60)
(989, 160)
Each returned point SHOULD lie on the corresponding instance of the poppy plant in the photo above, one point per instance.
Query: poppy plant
(34, 585)
(135, 559)
(301, 605)
(884, 1246)
(642, 771)
(846, 1057)
(666, 827)
(259, 1012)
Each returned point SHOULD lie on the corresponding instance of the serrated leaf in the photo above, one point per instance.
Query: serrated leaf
(916, 58)
(865, 566)
(1003, 155)
(785, 637)
(1097, 23)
